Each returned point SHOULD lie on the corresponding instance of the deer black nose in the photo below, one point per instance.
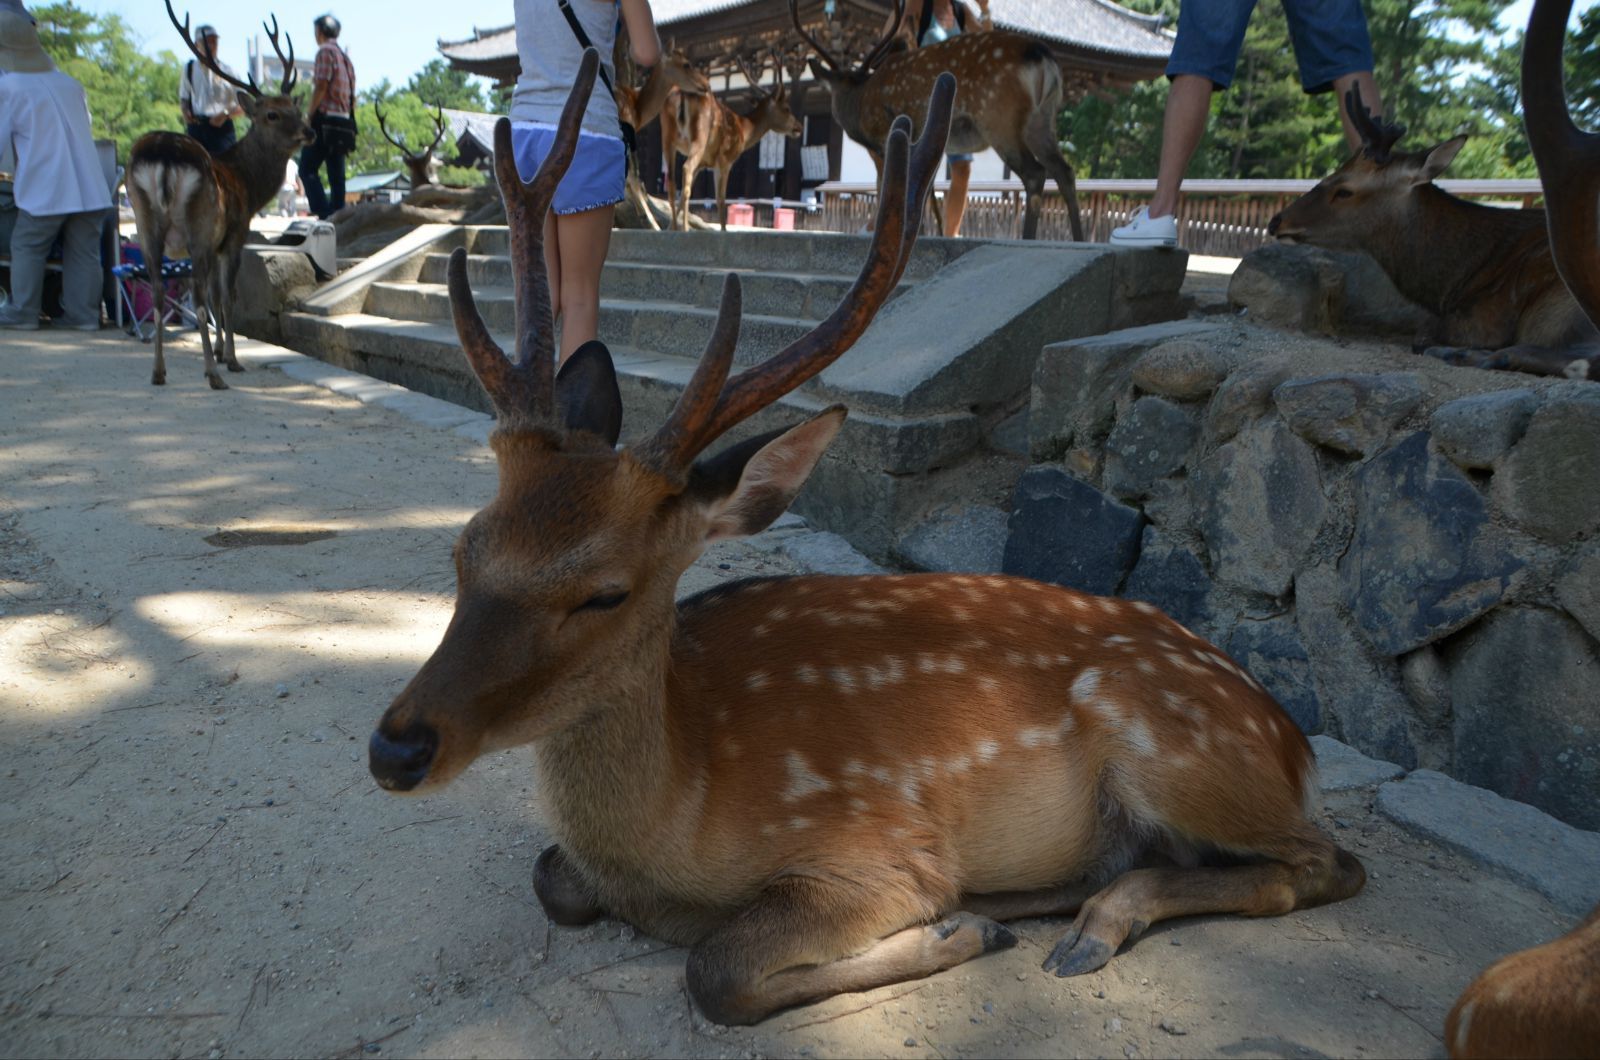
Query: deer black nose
(399, 763)
(1272, 225)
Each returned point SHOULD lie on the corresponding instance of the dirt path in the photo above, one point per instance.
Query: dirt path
(198, 864)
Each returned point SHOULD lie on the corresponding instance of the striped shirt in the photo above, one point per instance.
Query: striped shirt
(334, 69)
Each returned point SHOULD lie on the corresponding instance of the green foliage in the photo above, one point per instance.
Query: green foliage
(129, 93)
(1438, 69)
(438, 84)
(462, 176)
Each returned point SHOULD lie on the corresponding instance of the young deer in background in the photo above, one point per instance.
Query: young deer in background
(641, 106)
(708, 134)
(1487, 272)
(821, 784)
(1009, 97)
(187, 203)
(422, 165)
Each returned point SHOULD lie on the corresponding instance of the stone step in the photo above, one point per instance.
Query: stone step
(667, 328)
(817, 253)
(808, 296)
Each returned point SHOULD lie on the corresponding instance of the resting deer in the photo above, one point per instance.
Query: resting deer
(820, 784)
(422, 165)
(1009, 97)
(1543, 1002)
(1486, 272)
(707, 133)
(185, 201)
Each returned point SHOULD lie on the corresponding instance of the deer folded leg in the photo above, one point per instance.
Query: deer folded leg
(804, 940)
(567, 898)
(1019, 905)
(1137, 899)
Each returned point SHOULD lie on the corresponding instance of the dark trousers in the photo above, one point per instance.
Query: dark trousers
(322, 203)
(214, 138)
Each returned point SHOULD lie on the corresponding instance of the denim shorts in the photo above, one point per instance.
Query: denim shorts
(595, 178)
(1330, 39)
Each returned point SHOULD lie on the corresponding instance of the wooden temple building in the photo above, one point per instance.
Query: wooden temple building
(1102, 48)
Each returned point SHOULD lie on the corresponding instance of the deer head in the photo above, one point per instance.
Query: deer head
(276, 118)
(423, 166)
(772, 108)
(565, 582)
(1372, 192)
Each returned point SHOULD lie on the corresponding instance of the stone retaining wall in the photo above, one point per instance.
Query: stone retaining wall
(1404, 552)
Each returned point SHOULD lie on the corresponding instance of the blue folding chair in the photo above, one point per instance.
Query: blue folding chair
(132, 274)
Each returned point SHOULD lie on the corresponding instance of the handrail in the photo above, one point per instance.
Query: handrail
(1518, 187)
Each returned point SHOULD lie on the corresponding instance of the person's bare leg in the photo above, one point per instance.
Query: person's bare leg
(1363, 80)
(955, 201)
(584, 239)
(1188, 104)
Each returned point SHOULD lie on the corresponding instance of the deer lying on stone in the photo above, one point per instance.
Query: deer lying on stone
(821, 784)
(1485, 272)
(1008, 97)
(185, 201)
(422, 165)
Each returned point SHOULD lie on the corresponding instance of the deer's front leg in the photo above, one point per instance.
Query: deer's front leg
(804, 940)
(567, 898)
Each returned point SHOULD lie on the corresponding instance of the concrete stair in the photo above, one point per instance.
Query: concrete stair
(947, 360)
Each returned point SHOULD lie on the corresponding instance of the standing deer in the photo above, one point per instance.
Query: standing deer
(820, 784)
(1486, 272)
(185, 201)
(707, 133)
(1010, 95)
(641, 106)
(1545, 1002)
(423, 166)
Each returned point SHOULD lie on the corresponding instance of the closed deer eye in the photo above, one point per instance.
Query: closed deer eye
(602, 602)
(1342, 193)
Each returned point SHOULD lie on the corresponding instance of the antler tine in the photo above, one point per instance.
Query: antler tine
(377, 109)
(205, 60)
(510, 391)
(816, 45)
(438, 121)
(1377, 136)
(750, 75)
(696, 423)
(677, 442)
(882, 47)
(290, 74)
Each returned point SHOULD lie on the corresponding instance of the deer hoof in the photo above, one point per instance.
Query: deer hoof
(235, 366)
(216, 382)
(158, 378)
(1078, 954)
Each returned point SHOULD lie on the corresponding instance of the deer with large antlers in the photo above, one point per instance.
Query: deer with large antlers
(185, 201)
(1009, 94)
(710, 134)
(821, 784)
(422, 165)
(1485, 272)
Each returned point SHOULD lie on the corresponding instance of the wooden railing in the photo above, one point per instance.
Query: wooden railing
(1222, 217)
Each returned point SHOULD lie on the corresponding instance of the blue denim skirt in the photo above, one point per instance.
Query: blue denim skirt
(595, 178)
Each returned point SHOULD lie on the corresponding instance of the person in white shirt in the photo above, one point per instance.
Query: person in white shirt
(60, 186)
(290, 190)
(209, 103)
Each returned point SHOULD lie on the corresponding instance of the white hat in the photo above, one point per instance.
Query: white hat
(20, 52)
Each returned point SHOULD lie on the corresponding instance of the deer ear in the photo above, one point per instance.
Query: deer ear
(746, 487)
(247, 103)
(587, 397)
(1438, 160)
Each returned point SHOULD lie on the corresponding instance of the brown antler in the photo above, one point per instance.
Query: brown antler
(822, 53)
(290, 74)
(377, 109)
(711, 404)
(439, 123)
(205, 60)
(751, 76)
(880, 49)
(1378, 137)
(521, 390)
(1568, 158)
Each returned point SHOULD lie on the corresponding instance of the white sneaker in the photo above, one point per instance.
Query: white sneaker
(1142, 230)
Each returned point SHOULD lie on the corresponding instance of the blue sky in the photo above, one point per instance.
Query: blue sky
(386, 38)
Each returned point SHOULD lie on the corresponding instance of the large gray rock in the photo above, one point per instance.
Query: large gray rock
(1424, 560)
(827, 553)
(1186, 369)
(1578, 589)
(970, 538)
(1076, 384)
(1272, 651)
(1173, 578)
(1351, 412)
(1066, 531)
(1513, 838)
(1263, 508)
(1341, 767)
(1150, 441)
(1359, 693)
(1547, 482)
(1527, 719)
(1290, 286)
(1243, 396)
(1477, 430)
(269, 285)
